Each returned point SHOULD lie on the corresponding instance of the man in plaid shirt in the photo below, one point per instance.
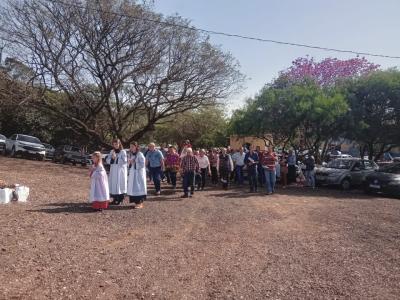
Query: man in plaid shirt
(189, 167)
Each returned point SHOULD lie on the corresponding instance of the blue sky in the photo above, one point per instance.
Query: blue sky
(361, 25)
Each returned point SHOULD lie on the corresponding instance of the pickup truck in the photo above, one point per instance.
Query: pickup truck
(69, 154)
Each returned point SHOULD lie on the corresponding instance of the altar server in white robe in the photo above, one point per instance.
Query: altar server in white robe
(137, 185)
(99, 192)
(118, 178)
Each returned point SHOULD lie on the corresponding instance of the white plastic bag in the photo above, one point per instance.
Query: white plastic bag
(5, 195)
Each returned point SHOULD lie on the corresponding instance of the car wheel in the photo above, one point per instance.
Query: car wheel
(41, 158)
(63, 160)
(12, 152)
(345, 184)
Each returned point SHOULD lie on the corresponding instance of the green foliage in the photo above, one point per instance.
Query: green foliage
(374, 116)
(205, 127)
(291, 112)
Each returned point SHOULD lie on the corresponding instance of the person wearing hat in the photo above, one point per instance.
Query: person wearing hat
(172, 163)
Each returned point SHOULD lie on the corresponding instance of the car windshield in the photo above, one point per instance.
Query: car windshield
(2, 137)
(340, 164)
(394, 169)
(29, 139)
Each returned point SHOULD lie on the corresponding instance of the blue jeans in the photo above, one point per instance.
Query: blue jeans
(239, 174)
(310, 178)
(155, 174)
(172, 178)
(270, 178)
(188, 182)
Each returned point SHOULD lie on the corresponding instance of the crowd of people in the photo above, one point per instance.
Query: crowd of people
(131, 171)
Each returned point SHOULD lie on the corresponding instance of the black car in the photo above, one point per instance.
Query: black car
(385, 180)
(69, 154)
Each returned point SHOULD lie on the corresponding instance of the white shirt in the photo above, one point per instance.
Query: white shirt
(203, 161)
(238, 158)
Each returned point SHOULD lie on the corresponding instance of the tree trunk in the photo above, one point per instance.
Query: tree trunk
(325, 150)
(370, 151)
(362, 150)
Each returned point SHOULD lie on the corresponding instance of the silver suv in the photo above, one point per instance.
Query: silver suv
(345, 172)
(25, 145)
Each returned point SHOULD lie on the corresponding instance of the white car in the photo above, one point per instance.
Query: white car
(25, 145)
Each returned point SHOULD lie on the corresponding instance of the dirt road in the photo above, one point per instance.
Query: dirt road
(297, 244)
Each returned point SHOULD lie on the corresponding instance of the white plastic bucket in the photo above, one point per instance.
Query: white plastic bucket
(5, 195)
(22, 193)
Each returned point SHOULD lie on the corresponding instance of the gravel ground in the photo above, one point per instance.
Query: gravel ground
(296, 244)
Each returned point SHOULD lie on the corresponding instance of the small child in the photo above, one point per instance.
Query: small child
(99, 190)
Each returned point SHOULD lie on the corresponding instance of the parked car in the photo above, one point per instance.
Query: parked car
(104, 155)
(69, 154)
(2, 144)
(345, 172)
(49, 151)
(386, 180)
(336, 156)
(25, 145)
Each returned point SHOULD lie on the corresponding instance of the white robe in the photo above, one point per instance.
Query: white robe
(137, 184)
(118, 173)
(98, 185)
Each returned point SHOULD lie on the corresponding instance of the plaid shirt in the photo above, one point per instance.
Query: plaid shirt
(172, 162)
(213, 158)
(189, 164)
(269, 161)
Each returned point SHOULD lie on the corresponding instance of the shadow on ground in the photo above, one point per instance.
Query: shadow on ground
(297, 191)
(74, 207)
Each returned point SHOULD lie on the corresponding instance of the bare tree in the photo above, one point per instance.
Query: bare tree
(115, 68)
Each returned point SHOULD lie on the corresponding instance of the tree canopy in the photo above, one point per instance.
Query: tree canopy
(115, 68)
(328, 71)
(204, 127)
(312, 103)
(374, 115)
(302, 113)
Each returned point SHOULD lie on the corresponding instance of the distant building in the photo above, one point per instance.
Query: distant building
(237, 141)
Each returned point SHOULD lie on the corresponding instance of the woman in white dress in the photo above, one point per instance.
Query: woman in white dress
(118, 178)
(137, 185)
(99, 192)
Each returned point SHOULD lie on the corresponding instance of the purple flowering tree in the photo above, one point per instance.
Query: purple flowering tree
(328, 71)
